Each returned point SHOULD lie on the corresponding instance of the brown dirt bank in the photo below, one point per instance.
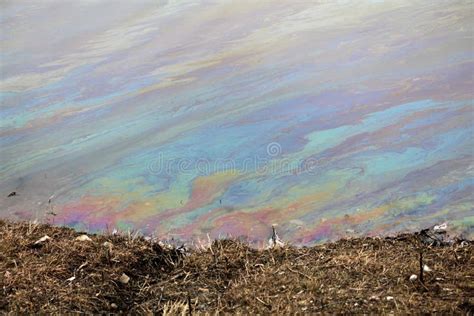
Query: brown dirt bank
(356, 275)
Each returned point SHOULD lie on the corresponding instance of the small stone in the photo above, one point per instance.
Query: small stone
(83, 238)
(114, 306)
(426, 268)
(373, 298)
(389, 298)
(124, 278)
(413, 277)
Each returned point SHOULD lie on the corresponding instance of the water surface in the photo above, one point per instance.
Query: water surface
(187, 119)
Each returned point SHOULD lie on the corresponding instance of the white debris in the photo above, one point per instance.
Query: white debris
(464, 244)
(108, 244)
(113, 305)
(441, 228)
(71, 279)
(426, 268)
(413, 277)
(115, 232)
(43, 239)
(82, 265)
(165, 245)
(83, 238)
(181, 249)
(275, 241)
(374, 298)
(124, 278)
(389, 298)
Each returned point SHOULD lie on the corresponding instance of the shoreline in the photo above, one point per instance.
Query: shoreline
(67, 272)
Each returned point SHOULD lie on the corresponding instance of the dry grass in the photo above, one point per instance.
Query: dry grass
(355, 275)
